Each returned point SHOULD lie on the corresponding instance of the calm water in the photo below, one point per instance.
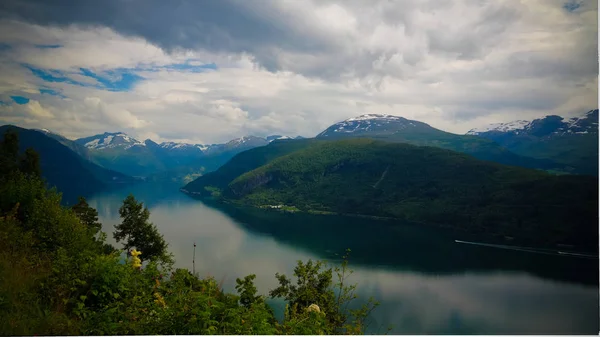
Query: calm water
(426, 283)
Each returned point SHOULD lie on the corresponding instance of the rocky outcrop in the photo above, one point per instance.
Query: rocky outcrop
(246, 186)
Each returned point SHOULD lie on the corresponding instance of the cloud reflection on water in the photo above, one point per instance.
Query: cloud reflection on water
(465, 301)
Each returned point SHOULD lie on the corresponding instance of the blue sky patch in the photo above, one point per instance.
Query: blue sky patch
(4, 46)
(188, 66)
(572, 5)
(49, 75)
(191, 67)
(48, 46)
(45, 91)
(20, 99)
(119, 79)
(114, 80)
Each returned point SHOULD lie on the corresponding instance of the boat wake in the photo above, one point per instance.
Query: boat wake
(530, 250)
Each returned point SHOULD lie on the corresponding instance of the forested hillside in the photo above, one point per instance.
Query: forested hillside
(245, 162)
(427, 185)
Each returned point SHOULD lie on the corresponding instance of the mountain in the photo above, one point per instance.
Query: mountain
(573, 141)
(62, 167)
(277, 137)
(244, 162)
(167, 160)
(184, 147)
(120, 152)
(238, 145)
(401, 130)
(426, 185)
(110, 141)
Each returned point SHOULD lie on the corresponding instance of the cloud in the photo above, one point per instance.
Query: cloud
(212, 71)
(36, 109)
(114, 116)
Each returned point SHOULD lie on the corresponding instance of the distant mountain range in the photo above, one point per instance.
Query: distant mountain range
(551, 143)
(401, 130)
(572, 142)
(123, 153)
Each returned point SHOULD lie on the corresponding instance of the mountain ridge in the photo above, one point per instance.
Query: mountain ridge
(398, 129)
(63, 167)
(572, 142)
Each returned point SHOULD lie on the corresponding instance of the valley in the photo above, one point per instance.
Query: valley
(416, 205)
(305, 168)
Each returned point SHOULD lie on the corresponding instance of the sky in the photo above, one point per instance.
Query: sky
(210, 71)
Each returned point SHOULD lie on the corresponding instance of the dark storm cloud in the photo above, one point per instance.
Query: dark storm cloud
(279, 35)
(256, 27)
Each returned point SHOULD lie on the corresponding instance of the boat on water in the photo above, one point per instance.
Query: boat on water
(530, 249)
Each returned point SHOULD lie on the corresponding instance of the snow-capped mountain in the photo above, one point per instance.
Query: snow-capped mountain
(110, 141)
(126, 154)
(502, 127)
(277, 137)
(370, 124)
(183, 146)
(571, 141)
(549, 125)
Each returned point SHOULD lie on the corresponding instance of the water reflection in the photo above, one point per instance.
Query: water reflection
(425, 282)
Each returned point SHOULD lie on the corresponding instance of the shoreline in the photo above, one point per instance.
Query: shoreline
(492, 237)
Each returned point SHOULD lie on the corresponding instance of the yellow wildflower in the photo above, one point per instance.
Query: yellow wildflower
(313, 307)
(137, 263)
(159, 300)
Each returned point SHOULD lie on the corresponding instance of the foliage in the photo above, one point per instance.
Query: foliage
(87, 215)
(326, 301)
(57, 278)
(430, 186)
(136, 231)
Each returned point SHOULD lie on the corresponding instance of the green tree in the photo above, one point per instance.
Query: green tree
(88, 215)
(313, 286)
(30, 163)
(136, 231)
(247, 291)
(9, 152)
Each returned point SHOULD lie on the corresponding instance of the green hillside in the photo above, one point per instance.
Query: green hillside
(244, 162)
(577, 151)
(427, 185)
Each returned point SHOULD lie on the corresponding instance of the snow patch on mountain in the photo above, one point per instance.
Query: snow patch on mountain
(586, 123)
(367, 117)
(112, 140)
(501, 127)
(368, 122)
(276, 137)
(93, 144)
